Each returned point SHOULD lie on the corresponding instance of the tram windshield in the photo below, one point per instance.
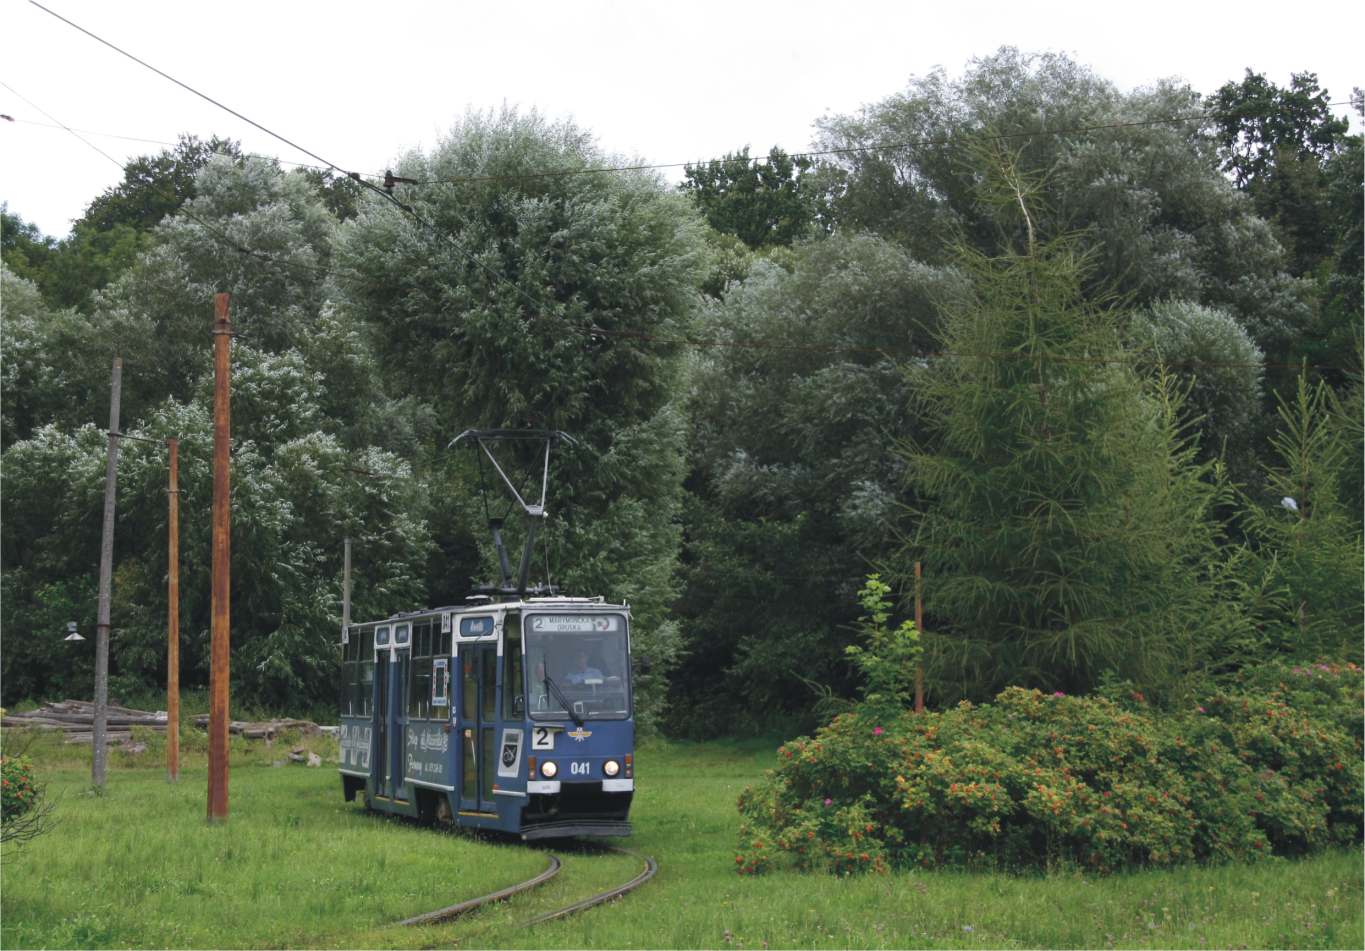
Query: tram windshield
(577, 666)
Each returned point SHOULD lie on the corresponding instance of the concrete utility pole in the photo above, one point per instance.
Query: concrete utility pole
(346, 590)
(919, 630)
(101, 725)
(173, 614)
(222, 588)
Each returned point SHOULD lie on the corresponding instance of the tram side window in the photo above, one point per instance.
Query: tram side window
(365, 688)
(513, 696)
(347, 693)
(355, 681)
(419, 700)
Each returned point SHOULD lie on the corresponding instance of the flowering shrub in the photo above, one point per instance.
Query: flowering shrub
(17, 792)
(1036, 779)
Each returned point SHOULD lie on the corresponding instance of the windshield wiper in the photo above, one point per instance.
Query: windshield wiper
(563, 702)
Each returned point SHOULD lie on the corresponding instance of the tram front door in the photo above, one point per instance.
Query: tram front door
(477, 726)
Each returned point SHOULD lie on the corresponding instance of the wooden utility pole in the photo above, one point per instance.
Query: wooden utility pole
(100, 729)
(173, 614)
(919, 630)
(219, 669)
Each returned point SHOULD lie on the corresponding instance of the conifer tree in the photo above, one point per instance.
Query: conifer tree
(1063, 520)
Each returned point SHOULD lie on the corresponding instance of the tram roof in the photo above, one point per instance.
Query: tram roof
(487, 606)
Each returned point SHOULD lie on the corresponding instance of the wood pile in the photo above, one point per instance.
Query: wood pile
(262, 729)
(76, 720)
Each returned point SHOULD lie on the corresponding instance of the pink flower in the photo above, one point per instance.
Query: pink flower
(1058, 693)
(829, 802)
(1202, 710)
(877, 731)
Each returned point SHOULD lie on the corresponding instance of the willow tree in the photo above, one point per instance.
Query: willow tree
(521, 289)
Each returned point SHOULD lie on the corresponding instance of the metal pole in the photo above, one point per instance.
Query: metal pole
(919, 629)
(220, 630)
(101, 725)
(346, 589)
(173, 615)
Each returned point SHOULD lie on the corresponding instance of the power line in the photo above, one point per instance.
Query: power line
(167, 144)
(191, 89)
(62, 125)
(222, 237)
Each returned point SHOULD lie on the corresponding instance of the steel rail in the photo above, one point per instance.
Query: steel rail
(454, 911)
(650, 868)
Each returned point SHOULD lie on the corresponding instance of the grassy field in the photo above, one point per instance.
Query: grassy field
(295, 866)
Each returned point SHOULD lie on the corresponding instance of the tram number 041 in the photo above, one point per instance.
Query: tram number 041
(580, 769)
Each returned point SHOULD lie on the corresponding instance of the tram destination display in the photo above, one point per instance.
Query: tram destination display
(575, 623)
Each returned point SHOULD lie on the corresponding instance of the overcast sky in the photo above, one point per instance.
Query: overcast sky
(360, 84)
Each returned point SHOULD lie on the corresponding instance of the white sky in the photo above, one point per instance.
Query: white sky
(668, 82)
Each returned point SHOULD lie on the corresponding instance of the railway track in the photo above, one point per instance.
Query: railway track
(551, 870)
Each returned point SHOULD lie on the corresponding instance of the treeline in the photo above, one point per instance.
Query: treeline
(1090, 357)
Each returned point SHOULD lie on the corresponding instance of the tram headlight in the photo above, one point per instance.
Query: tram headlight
(548, 770)
(611, 767)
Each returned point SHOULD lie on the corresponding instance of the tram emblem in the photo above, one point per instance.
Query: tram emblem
(580, 734)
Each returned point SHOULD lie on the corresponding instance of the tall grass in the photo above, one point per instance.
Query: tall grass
(296, 866)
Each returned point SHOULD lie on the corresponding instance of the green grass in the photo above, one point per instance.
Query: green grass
(295, 866)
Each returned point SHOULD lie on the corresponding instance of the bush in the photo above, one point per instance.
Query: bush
(17, 792)
(1038, 779)
(25, 812)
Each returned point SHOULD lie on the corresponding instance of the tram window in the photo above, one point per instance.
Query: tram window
(440, 686)
(469, 704)
(514, 698)
(419, 701)
(490, 690)
(366, 687)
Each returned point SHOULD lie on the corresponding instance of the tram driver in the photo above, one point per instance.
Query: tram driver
(581, 672)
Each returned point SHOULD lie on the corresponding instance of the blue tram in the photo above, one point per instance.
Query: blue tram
(514, 716)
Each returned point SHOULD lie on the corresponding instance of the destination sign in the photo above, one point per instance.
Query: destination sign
(476, 626)
(575, 623)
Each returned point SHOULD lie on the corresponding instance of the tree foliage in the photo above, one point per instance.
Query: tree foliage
(1221, 373)
(1142, 194)
(763, 202)
(1297, 161)
(1309, 542)
(794, 489)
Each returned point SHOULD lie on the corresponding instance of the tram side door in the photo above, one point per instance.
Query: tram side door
(379, 753)
(478, 726)
(392, 663)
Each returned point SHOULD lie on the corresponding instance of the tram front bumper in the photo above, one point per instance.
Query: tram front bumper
(567, 828)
